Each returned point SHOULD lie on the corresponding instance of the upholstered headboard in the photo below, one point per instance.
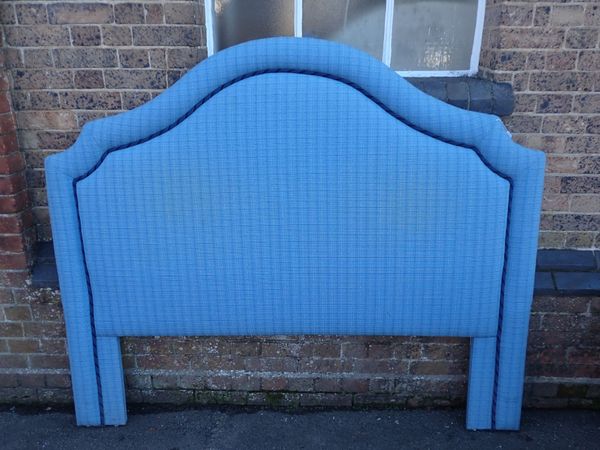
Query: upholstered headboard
(296, 186)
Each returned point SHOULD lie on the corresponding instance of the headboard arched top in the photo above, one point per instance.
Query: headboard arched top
(305, 55)
(296, 186)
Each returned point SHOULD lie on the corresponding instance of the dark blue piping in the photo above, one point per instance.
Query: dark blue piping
(378, 103)
(91, 306)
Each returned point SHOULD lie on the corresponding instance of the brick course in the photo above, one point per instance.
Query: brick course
(550, 52)
(563, 368)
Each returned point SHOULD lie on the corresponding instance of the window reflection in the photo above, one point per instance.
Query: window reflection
(433, 34)
(237, 21)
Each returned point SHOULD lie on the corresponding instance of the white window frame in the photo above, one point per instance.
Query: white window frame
(387, 39)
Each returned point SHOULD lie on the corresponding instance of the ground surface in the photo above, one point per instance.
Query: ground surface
(258, 429)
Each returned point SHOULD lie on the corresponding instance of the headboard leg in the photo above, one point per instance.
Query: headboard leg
(481, 383)
(496, 380)
(112, 381)
(97, 378)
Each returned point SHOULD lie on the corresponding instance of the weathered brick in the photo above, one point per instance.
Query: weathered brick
(507, 60)
(7, 123)
(185, 57)
(88, 79)
(7, 14)
(589, 165)
(42, 79)
(158, 58)
(560, 81)
(11, 224)
(36, 57)
(561, 60)
(567, 15)
(592, 15)
(575, 305)
(520, 81)
(85, 57)
(116, 35)
(183, 13)
(47, 139)
(133, 99)
(582, 144)
(134, 58)
(38, 361)
(84, 117)
(11, 329)
(17, 312)
(129, 13)
(525, 103)
(12, 58)
(53, 346)
(90, 100)
(581, 37)
(173, 76)
(589, 60)
(585, 203)
(40, 120)
(320, 350)
(572, 222)
(187, 36)
(25, 345)
(86, 36)
(13, 361)
(57, 380)
(153, 13)
(8, 380)
(135, 79)
(322, 399)
(31, 14)
(43, 100)
(588, 103)
(37, 36)
(536, 60)
(12, 243)
(542, 16)
(554, 103)
(581, 239)
(524, 123)
(11, 163)
(555, 202)
(528, 38)
(85, 13)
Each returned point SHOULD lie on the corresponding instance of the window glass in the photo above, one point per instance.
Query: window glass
(433, 34)
(237, 21)
(359, 23)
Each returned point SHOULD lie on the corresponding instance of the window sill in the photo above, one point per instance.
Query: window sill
(559, 272)
(473, 94)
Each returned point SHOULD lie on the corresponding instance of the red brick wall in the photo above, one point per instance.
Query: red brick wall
(16, 224)
(563, 367)
(549, 51)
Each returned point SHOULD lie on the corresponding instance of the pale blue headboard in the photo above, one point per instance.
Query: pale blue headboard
(296, 186)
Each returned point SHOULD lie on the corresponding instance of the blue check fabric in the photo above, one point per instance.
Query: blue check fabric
(296, 186)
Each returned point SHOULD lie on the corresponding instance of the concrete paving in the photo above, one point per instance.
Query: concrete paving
(238, 429)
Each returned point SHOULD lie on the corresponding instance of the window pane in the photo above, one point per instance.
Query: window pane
(358, 23)
(237, 21)
(433, 34)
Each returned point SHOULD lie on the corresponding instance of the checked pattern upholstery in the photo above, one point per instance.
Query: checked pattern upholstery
(296, 186)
